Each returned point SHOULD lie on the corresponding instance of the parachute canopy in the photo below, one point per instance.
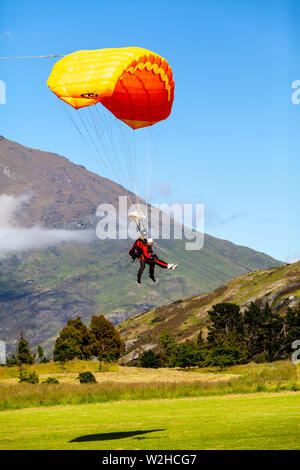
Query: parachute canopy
(134, 84)
(136, 215)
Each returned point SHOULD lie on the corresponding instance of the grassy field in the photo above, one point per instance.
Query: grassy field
(116, 383)
(252, 406)
(260, 421)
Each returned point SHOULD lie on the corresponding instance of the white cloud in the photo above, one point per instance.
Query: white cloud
(9, 205)
(15, 239)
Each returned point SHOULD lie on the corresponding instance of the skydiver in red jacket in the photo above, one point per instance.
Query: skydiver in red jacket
(142, 249)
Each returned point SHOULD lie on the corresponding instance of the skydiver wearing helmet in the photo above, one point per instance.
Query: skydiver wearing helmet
(142, 249)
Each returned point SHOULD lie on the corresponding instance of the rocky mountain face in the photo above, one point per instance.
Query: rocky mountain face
(41, 288)
(62, 194)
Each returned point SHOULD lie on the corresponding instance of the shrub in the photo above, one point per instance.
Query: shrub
(50, 380)
(86, 377)
(11, 361)
(29, 377)
(186, 355)
(222, 357)
(261, 357)
(150, 359)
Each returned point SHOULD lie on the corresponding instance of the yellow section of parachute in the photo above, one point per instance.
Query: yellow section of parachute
(87, 77)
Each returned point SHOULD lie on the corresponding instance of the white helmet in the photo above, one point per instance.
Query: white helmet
(150, 241)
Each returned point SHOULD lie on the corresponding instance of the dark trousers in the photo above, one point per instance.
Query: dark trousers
(151, 264)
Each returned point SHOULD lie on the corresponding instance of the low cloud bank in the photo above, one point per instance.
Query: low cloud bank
(14, 239)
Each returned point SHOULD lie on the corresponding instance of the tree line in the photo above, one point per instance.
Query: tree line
(76, 340)
(233, 336)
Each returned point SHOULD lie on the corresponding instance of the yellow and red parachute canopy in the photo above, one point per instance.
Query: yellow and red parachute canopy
(135, 84)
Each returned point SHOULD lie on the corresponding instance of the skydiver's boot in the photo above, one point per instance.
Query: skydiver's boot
(172, 266)
(152, 278)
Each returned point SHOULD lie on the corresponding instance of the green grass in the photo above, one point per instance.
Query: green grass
(250, 378)
(74, 366)
(251, 406)
(261, 421)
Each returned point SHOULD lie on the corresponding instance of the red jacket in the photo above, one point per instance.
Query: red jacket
(141, 249)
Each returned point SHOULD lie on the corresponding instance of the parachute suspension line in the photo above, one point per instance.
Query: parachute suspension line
(106, 153)
(106, 132)
(34, 56)
(135, 166)
(89, 141)
(113, 128)
(107, 158)
(116, 151)
(147, 160)
(103, 164)
(129, 151)
(108, 141)
(98, 154)
(149, 164)
(77, 127)
(101, 135)
(149, 145)
(113, 132)
(141, 229)
(102, 151)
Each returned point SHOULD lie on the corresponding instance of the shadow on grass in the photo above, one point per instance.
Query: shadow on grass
(111, 435)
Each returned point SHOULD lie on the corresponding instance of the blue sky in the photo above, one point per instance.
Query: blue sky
(231, 141)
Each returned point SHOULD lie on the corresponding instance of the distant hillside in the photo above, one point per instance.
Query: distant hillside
(40, 290)
(280, 287)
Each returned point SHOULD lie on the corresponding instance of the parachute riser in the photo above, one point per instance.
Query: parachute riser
(141, 229)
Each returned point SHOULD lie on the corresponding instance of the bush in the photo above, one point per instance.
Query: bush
(222, 356)
(11, 361)
(29, 377)
(50, 380)
(186, 355)
(150, 359)
(86, 377)
(261, 357)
